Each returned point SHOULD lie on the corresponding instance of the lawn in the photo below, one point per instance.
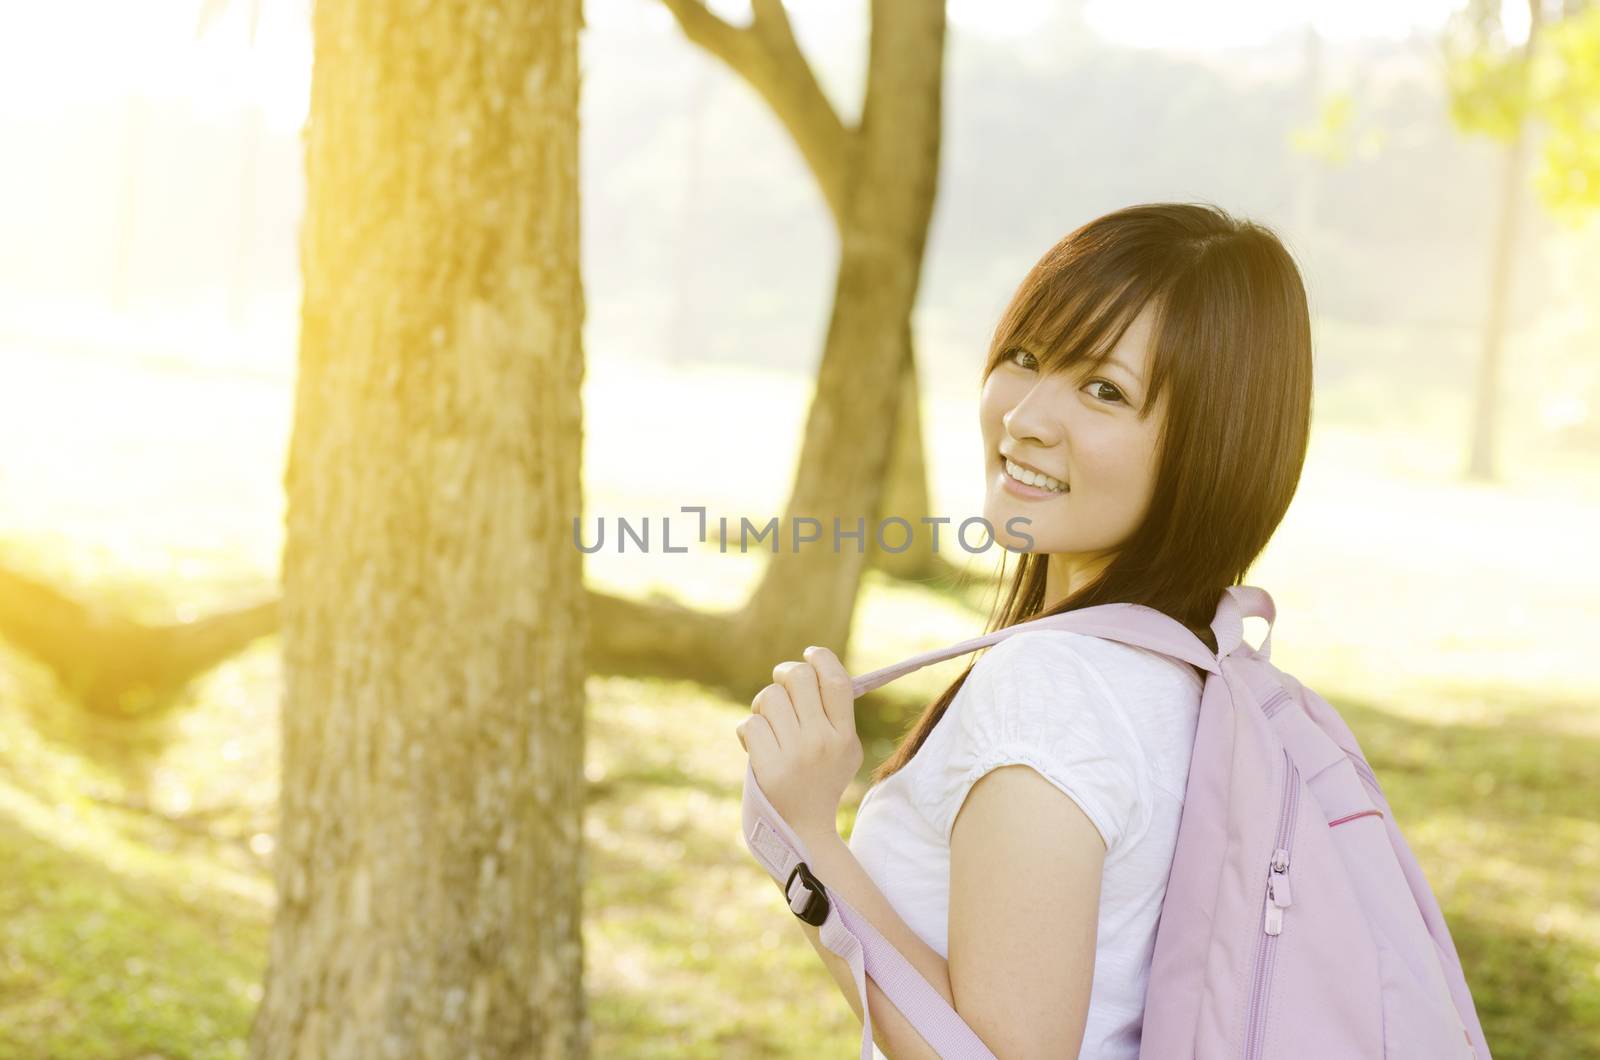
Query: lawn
(1453, 625)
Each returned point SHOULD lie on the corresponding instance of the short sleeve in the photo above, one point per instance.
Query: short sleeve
(1041, 698)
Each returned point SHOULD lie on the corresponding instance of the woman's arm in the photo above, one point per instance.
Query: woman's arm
(1024, 911)
(1025, 867)
(832, 862)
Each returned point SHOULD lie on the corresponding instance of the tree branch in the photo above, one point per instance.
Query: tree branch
(112, 664)
(766, 55)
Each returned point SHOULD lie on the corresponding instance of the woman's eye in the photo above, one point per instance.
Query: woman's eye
(1116, 395)
(1016, 356)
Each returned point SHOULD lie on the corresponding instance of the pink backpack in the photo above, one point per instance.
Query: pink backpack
(1296, 921)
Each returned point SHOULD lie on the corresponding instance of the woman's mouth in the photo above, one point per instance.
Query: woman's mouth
(1026, 482)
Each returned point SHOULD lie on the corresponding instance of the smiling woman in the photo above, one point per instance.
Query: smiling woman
(1145, 412)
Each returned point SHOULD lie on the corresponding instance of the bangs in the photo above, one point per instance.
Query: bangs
(1069, 320)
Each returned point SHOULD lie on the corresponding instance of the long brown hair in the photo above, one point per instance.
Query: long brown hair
(1232, 336)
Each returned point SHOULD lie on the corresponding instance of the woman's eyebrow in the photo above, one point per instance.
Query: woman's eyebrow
(1125, 368)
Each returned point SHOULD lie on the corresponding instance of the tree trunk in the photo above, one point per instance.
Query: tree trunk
(429, 858)
(1486, 392)
(905, 484)
(1486, 388)
(807, 594)
(906, 56)
(909, 554)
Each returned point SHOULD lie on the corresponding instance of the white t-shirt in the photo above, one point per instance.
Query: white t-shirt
(1109, 724)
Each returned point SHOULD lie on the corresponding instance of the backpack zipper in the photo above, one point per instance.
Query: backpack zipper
(1274, 903)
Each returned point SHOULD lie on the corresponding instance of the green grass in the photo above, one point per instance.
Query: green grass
(1453, 625)
(122, 933)
(124, 937)
(101, 963)
(1503, 818)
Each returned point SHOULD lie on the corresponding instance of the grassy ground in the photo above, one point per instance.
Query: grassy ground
(1452, 624)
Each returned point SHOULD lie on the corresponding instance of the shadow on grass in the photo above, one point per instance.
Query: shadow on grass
(660, 776)
(126, 748)
(690, 949)
(1518, 769)
(99, 964)
(1536, 995)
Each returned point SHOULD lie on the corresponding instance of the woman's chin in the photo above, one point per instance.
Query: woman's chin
(1011, 539)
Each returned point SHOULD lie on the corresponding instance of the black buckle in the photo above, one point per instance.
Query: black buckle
(817, 905)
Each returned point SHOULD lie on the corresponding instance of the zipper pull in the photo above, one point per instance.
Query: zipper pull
(1278, 896)
(1278, 881)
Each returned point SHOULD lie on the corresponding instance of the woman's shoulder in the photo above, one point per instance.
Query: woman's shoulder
(1036, 682)
(1056, 654)
(1046, 699)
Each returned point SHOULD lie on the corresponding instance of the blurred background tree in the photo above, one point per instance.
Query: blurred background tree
(764, 54)
(1498, 88)
(861, 457)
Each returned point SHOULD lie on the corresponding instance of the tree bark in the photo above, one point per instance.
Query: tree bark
(429, 858)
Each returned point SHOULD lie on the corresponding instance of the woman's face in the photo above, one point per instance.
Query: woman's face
(1079, 426)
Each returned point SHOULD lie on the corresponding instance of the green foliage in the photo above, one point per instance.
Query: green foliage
(1495, 87)
(1566, 81)
(1334, 136)
(1486, 75)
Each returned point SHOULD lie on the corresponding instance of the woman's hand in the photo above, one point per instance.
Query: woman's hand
(802, 742)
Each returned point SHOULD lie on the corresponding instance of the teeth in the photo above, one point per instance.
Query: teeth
(1022, 474)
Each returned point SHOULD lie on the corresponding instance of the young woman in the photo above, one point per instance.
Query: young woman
(1146, 408)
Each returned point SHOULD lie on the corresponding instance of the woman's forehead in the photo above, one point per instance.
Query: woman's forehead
(1097, 344)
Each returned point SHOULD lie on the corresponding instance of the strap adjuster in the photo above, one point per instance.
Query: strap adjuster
(814, 906)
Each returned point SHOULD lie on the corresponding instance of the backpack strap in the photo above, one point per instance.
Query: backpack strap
(846, 932)
(1135, 624)
(1238, 603)
(842, 929)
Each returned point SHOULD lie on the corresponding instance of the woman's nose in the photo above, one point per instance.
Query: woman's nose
(1036, 417)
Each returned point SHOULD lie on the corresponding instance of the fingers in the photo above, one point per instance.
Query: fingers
(800, 681)
(773, 704)
(838, 692)
(816, 693)
(756, 736)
